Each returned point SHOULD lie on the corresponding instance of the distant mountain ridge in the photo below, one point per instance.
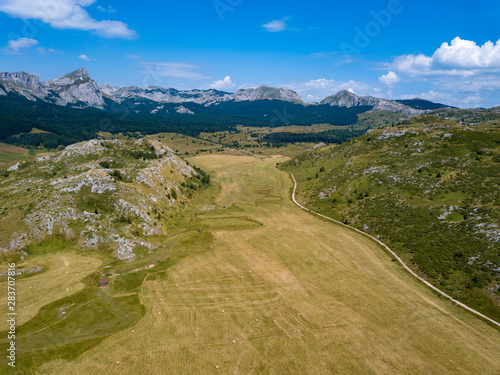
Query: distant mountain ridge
(423, 104)
(348, 99)
(266, 92)
(77, 89)
(164, 95)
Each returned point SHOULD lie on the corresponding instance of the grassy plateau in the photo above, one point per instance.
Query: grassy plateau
(254, 285)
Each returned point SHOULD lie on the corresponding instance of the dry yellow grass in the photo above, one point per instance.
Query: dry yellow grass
(62, 278)
(296, 295)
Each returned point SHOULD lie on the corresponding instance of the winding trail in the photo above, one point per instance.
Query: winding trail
(395, 256)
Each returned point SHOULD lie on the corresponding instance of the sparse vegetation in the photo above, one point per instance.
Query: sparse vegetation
(421, 189)
(250, 261)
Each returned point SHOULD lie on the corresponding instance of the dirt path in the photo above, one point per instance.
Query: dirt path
(395, 256)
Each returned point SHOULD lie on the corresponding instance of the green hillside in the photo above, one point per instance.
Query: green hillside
(113, 196)
(429, 188)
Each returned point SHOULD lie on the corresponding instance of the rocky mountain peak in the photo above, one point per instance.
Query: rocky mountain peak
(266, 92)
(25, 81)
(76, 87)
(344, 98)
(74, 78)
(348, 99)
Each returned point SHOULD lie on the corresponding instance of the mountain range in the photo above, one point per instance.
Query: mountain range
(78, 89)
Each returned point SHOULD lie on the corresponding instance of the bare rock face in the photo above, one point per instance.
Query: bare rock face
(24, 80)
(76, 87)
(164, 95)
(25, 84)
(348, 99)
(207, 97)
(73, 88)
(266, 92)
(184, 111)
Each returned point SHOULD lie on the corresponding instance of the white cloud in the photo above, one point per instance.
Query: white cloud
(413, 63)
(275, 26)
(171, 69)
(66, 14)
(84, 57)
(389, 79)
(461, 73)
(15, 46)
(223, 84)
(459, 58)
(466, 54)
(484, 82)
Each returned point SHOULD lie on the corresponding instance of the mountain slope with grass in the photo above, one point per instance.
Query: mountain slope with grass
(429, 189)
(111, 195)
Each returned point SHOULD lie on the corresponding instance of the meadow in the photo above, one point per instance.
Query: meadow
(255, 285)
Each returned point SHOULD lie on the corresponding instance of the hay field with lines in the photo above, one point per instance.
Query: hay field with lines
(279, 291)
(60, 276)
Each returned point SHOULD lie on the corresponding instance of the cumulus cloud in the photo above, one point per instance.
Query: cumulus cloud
(389, 79)
(275, 26)
(66, 14)
(466, 54)
(223, 84)
(84, 57)
(15, 46)
(461, 72)
(460, 57)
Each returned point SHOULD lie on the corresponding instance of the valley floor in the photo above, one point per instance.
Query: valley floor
(280, 291)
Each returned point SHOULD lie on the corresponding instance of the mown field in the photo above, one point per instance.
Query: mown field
(254, 285)
(429, 188)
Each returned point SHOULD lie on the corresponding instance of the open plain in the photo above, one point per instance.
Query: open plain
(279, 291)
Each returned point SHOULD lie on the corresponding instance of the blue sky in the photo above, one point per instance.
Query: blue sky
(441, 51)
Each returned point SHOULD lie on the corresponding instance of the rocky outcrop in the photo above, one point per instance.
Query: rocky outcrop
(266, 92)
(165, 95)
(183, 110)
(79, 90)
(24, 84)
(99, 193)
(26, 81)
(76, 87)
(348, 99)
